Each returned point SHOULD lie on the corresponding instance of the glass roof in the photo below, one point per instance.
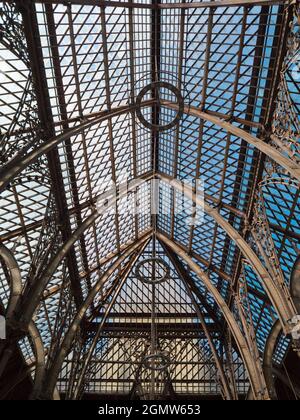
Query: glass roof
(77, 68)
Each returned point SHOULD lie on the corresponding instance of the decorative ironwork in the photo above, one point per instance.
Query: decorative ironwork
(245, 316)
(262, 239)
(24, 130)
(286, 123)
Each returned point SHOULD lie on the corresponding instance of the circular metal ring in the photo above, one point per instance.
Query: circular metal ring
(158, 262)
(157, 362)
(150, 87)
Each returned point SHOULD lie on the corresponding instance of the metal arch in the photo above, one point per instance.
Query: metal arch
(226, 387)
(16, 291)
(40, 364)
(259, 144)
(268, 357)
(284, 306)
(180, 270)
(105, 315)
(66, 344)
(15, 276)
(26, 310)
(257, 382)
(21, 161)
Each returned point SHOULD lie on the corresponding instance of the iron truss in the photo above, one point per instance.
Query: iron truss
(96, 95)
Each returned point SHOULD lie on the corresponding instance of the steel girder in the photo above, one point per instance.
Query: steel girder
(257, 381)
(35, 298)
(44, 111)
(215, 4)
(178, 5)
(295, 283)
(29, 304)
(229, 395)
(40, 364)
(268, 357)
(115, 294)
(40, 286)
(223, 3)
(290, 165)
(52, 374)
(15, 293)
(20, 162)
(280, 299)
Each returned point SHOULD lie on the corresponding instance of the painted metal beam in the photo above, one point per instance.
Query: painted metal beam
(114, 293)
(257, 384)
(44, 110)
(223, 3)
(40, 362)
(22, 161)
(53, 372)
(295, 283)
(100, 3)
(291, 166)
(270, 347)
(57, 71)
(224, 380)
(192, 5)
(282, 303)
(31, 300)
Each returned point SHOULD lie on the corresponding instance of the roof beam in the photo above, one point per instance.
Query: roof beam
(53, 41)
(32, 35)
(120, 281)
(251, 364)
(291, 166)
(195, 5)
(101, 3)
(190, 288)
(9, 171)
(183, 274)
(26, 309)
(174, 327)
(50, 381)
(282, 304)
(223, 3)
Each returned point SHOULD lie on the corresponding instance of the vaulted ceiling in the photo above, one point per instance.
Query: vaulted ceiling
(98, 95)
